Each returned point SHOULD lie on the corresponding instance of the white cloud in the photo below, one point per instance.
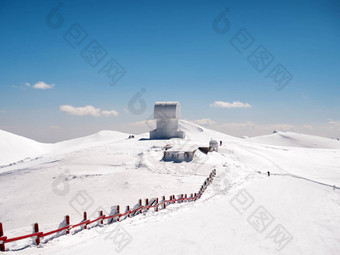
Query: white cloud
(204, 122)
(235, 104)
(110, 113)
(334, 122)
(87, 110)
(40, 85)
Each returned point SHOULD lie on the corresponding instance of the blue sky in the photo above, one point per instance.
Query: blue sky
(170, 52)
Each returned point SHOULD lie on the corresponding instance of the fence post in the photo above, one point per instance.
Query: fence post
(100, 215)
(128, 209)
(36, 230)
(146, 204)
(156, 208)
(67, 220)
(2, 246)
(85, 218)
(118, 219)
(164, 204)
(140, 205)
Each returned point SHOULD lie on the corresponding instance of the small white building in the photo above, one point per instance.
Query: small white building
(167, 115)
(180, 153)
(213, 145)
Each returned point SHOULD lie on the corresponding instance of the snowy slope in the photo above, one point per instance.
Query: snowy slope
(14, 148)
(292, 139)
(100, 138)
(213, 226)
(107, 169)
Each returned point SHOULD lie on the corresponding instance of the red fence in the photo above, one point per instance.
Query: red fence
(116, 216)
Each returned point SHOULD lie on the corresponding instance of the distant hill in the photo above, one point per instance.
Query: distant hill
(292, 139)
(14, 148)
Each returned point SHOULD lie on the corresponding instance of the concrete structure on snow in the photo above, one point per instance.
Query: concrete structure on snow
(180, 153)
(167, 115)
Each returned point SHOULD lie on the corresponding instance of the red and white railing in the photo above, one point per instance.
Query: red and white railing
(116, 216)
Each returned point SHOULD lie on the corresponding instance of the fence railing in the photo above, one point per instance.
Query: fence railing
(114, 216)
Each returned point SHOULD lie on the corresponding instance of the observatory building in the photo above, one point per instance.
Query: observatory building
(167, 115)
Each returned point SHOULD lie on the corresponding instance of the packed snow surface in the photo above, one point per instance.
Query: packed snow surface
(44, 182)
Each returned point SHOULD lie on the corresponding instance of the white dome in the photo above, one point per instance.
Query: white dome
(213, 142)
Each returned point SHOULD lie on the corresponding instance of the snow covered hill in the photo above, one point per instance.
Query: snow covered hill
(292, 139)
(14, 148)
(106, 169)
